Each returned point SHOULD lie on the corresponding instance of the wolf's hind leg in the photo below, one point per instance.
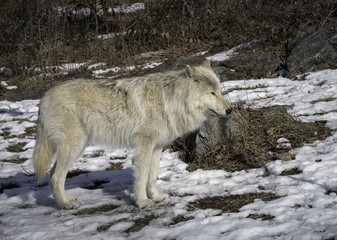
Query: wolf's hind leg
(67, 153)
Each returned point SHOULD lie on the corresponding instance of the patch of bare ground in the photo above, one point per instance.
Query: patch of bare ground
(293, 171)
(180, 218)
(95, 210)
(231, 203)
(115, 166)
(18, 147)
(17, 161)
(263, 217)
(105, 227)
(76, 172)
(141, 223)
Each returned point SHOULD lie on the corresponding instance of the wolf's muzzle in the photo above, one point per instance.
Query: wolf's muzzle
(228, 111)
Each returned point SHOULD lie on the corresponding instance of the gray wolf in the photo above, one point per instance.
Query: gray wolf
(145, 113)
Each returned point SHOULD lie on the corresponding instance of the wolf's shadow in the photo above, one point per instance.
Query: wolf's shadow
(117, 183)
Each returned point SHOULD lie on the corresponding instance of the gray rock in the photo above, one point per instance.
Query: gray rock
(174, 64)
(252, 62)
(284, 156)
(215, 131)
(221, 72)
(309, 52)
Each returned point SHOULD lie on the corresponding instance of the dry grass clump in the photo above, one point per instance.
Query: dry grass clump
(94, 210)
(258, 144)
(231, 203)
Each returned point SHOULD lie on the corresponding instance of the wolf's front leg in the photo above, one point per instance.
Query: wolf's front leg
(141, 164)
(151, 188)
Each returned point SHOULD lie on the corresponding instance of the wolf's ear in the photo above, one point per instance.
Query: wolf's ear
(190, 71)
(207, 64)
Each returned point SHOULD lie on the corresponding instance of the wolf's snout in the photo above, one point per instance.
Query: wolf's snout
(228, 111)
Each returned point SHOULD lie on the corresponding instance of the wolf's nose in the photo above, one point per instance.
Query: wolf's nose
(228, 111)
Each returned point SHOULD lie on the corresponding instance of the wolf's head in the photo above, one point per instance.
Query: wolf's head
(206, 86)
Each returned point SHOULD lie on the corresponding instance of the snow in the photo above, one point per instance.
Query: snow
(5, 84)
(81, 13)
(112, 35)
(306, 209)
(99, 72)
(127, 9)
(227, 54)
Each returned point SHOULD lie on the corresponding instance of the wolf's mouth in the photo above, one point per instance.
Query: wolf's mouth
(228, 111)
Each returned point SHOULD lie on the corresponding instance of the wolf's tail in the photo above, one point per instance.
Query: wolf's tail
(43, 152)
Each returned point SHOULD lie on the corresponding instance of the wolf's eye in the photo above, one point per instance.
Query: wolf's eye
(213, 93)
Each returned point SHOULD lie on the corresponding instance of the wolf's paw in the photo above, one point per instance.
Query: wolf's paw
(146, 203)
(72, 203)
(159, 197)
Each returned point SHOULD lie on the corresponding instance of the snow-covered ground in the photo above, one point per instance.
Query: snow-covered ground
(306, 209)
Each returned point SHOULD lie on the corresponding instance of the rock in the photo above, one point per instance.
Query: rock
(221, 72)
(265, 64)
(173, 64)
(75, 74)
(284, 156)
(309, 52)
(215, 131)
(252, 64)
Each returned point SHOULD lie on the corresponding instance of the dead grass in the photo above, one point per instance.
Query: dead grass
(17, 161)
(263, 217)
(258, 143)
(16, 147)
(96, 153)
(115, 166)
(180, 218)
(323, 100)
(5, 133)
(76, 172)
(29, 131)
(140, 223)
(293, 171)
(94, 210)
(232, 203)
(105, 227)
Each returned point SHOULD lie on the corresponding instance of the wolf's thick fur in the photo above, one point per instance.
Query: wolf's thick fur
(145, 113)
